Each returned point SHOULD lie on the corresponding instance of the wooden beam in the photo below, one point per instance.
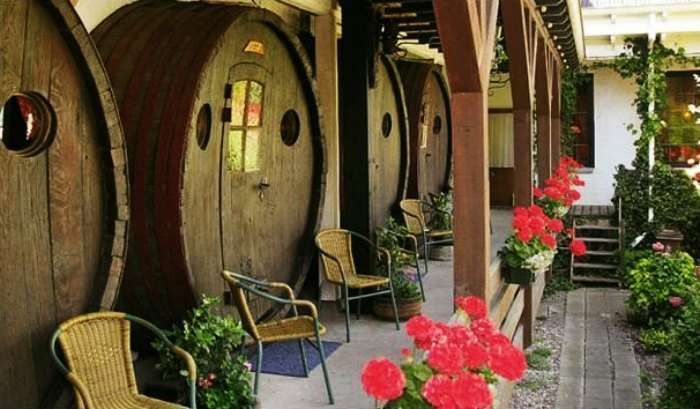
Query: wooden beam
(556, 115)
(467, 34)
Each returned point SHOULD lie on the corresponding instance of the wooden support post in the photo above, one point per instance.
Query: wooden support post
(467, 32)
(325, 28)
(544, 72)
(471, 193)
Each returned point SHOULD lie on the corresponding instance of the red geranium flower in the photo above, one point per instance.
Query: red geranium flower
(535, 210)
(520, 212)
(507, 361)
(382, 379)
(676, 302)
(549, 241)
(537, 192)
(483, 329)
(521, 222)
(555, 225)
(438, 392)
(553, 193)
(524, 235)
(475, 307)
(422, 329)
(470, 391)
(537, 224)
(578, 247)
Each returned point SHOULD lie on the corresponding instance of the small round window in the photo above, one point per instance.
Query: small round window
(386, 125)
(27, 124)
(290, 127)
(204, 126)
(437, 124)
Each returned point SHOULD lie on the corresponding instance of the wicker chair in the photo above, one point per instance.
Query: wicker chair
(97, 350)
(413, 211)
(335, 246)
(298, 327)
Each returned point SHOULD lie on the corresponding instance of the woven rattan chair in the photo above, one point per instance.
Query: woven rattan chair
(413, 211)
(335, 246)
(97, 351)
(297, 327)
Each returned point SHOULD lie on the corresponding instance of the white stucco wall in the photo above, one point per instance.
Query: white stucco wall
(614, 144)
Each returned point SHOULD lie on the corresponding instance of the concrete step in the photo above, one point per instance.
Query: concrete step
(595, 280)
(596, 227)
(598, 239)
(596, 266)
(601, 253)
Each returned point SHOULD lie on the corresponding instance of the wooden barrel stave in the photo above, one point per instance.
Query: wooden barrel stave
(427, 99)
(178, 241)
(62, 220)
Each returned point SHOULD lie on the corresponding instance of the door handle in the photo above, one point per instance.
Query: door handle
(262, 187)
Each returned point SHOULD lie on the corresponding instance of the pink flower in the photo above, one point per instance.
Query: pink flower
(382, 379)
(676, 302)
(475, 307)
(658, 247)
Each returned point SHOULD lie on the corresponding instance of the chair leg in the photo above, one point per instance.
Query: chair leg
(393, 302)
(258, 367)
(420, 278)
(426, 248)
(347, 315)
(322, 354)
(303, 358)
(359, 305)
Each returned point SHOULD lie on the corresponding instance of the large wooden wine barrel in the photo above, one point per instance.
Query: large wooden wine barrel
(430, 127)
(63, 190)
(225, 146)
(388, 142)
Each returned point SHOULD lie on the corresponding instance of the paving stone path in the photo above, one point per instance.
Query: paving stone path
(598, 367)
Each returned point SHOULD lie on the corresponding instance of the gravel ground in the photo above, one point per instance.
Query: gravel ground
(538, 390)
(651, 371)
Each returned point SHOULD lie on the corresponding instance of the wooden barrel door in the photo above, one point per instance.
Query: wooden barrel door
(63, 191)
(430, 125)
(388, 143)
(433, 158)
(268, 161)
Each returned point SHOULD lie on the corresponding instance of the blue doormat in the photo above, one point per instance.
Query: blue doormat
(284, 358)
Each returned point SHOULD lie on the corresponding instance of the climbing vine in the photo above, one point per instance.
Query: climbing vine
(571, 80)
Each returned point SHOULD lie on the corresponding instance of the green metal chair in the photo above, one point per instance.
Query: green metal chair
(335, 246)
(298, 327)
(97, 350)
(414, 216)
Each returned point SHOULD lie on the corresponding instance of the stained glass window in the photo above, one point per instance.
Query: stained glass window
(245, 127)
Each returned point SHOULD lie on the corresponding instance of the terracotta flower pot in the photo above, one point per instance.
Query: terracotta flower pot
(407, 307)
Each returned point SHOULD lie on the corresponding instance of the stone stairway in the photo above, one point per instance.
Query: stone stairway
(593, 225)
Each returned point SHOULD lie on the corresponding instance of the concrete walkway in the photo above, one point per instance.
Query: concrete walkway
(598, 366)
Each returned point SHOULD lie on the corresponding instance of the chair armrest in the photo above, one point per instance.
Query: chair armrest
(309, 305)
(269, 284)
(191, 373)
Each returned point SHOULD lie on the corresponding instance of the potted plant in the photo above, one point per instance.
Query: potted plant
(455, 364)
(441, 219)
(530, 249)
(409, 299)
(216, 344)
(559, 193)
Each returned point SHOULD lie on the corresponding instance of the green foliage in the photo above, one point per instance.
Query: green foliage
(559, 282)
(655, 339)
(215, 343)
(416, 376)
(391, 237)
(571, 80)
(675, 201)
(655, 279)
(538, 359)
(441, 206)
(682, 375)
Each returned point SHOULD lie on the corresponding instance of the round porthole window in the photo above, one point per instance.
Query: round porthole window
(437, 124)
(28, 124)
(290, 127)
(204, 126)
(386, 125)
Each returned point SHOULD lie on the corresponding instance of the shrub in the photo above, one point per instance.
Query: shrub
(654, 280)
(682, 375)
(215, 342)
(655, 339)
